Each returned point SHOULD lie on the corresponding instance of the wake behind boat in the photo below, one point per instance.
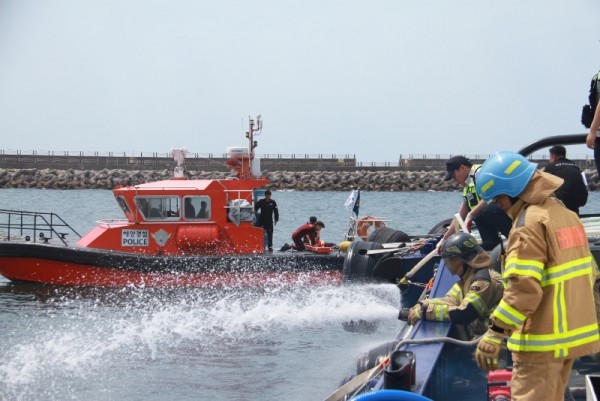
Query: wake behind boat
(177, 232)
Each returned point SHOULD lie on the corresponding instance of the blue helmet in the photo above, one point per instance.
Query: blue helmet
(505, 173)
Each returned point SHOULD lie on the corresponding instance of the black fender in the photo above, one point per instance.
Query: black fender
(441, 227)
(389, 269)
(357, 267)
(386, 234)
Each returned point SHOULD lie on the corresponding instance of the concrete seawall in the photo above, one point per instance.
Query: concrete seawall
(298, 180)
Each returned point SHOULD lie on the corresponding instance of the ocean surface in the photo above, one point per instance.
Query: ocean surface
(274, 343)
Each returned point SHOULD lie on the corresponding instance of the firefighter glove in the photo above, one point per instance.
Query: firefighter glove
(415, 314)
(486, 355)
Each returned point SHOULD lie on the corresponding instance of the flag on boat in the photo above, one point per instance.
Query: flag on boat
(350, 201)
(353, 202)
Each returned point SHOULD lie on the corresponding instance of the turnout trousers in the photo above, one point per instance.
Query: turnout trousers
(536, 381)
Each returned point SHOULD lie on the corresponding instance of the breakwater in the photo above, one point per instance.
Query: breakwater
(382, 180)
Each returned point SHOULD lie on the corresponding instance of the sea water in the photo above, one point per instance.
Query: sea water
(272, 343)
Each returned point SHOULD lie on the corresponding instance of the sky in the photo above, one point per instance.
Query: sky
(378, 79)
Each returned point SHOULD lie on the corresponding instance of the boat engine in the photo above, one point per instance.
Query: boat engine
(499, 385)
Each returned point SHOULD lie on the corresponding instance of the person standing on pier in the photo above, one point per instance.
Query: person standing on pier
(267, 208)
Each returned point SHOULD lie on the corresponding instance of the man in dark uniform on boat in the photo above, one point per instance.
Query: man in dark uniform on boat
(267, 207)
(470, 301)
(573, 192)
(309, 231)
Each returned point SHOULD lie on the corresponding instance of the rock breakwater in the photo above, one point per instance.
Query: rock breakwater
(383, 180)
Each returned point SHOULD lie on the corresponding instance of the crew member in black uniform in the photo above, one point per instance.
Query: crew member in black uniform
(268, 209)
(573, 193)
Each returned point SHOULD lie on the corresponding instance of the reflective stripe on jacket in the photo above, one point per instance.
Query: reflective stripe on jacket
(549, 274)
(471, 299)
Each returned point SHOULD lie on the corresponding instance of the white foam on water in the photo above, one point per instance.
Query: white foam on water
(79, 334)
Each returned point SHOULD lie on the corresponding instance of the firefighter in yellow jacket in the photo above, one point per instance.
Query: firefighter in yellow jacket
(547, 311)
(470, 301)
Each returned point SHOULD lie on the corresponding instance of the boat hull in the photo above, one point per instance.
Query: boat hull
(50, 264)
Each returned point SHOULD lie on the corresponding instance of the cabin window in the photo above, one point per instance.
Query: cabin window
(123, 204)
(159, 207)
(196, 207)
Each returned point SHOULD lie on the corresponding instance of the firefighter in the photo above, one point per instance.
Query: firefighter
(470, 301)
(547, 311)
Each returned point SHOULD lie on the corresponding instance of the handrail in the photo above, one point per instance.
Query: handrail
(573, 139)
(108, 222)
(34, 224)
(165, 155)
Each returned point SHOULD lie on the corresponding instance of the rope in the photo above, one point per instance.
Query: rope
(416, 284)
(433, 340)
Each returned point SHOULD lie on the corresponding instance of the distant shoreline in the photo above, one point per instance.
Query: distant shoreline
(380, 180)
(215, 163)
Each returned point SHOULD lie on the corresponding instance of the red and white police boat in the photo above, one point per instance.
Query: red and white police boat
(176, 232)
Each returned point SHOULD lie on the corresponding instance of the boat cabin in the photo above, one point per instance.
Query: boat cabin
(188, 217)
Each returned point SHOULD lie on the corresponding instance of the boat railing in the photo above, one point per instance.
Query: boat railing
(34, 226)
(238, 205)
(351, 233)
(354, 222)
(591, 224)
(114, 222)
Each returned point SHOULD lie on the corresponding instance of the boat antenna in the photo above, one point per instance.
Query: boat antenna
(242, 161)
(255, 128)
(258, 124)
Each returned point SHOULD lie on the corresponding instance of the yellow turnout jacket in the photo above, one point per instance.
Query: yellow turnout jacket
(470, 300)
(549, 272)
